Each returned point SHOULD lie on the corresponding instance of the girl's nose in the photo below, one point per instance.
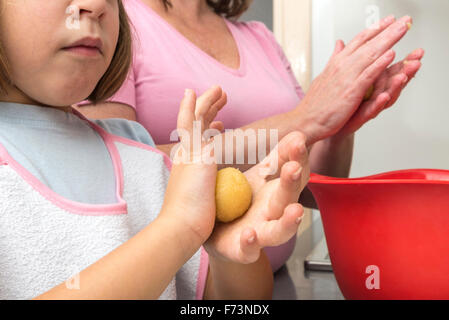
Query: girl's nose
(95, 9)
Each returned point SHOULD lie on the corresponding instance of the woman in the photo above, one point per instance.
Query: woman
(193, 44)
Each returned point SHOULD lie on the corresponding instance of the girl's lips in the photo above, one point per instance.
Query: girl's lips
(86, 51)
(87, 47)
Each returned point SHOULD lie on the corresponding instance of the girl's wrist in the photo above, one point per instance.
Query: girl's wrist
(180, 233)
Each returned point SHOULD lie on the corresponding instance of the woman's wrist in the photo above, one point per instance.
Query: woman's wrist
(338, 140)
(231, 280)
(305, 123)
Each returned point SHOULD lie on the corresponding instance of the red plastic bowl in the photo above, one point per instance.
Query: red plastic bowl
(387, 234)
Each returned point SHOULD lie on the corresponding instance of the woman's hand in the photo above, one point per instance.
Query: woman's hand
(190, 195)
(275, 213)
(336, 94)
(387, 89)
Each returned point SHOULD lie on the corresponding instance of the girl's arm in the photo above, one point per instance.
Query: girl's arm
(143, 267)
(229, 280)
(131, 271)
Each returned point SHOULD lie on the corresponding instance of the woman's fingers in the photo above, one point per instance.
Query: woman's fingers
(396, 85)
(407, 65)
(370, 52)
(410, 68)
(367, 34)
(291, 148)
(288, 189)
(374, 71)
(277, 232)
(417, 54)
(339, 46)
(367, 111)
(249, 246)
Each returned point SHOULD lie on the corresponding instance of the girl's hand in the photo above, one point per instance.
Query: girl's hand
(190, 194)
(336, 94)
(275, 213)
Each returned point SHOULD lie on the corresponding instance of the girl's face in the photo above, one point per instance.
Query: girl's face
(57, 50)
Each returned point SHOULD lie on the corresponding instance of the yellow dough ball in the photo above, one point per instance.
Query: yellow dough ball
(369, 93)
(233, 194)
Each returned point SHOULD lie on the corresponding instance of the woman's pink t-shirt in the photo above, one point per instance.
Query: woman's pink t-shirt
(166, 63)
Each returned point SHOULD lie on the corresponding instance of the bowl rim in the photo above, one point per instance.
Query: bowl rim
(376, 178)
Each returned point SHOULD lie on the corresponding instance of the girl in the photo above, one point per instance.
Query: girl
(80, 203)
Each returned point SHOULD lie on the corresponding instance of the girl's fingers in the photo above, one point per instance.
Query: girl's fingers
(249, 246)
(210, 114)
(217, 125)
(206, 101)
(368, 34)
(277, 232)
(369, 53)
(186, 114)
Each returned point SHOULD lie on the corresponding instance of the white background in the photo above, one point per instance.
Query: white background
(414, 133)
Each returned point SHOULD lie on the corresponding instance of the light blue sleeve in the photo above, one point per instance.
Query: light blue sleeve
(127, 129)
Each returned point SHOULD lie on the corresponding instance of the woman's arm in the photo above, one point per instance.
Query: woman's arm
(131, 271)
(107, 110)
(229, 280)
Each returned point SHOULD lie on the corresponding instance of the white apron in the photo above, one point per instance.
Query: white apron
(46, 239)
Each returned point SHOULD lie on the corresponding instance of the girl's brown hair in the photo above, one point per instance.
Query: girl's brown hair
(226, 8)
(114, 76)
(4, 73)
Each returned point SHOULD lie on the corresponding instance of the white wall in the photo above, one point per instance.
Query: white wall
(415, 132)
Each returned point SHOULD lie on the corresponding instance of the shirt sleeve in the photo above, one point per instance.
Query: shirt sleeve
(127, 129)
(275, 52)
(127, 92)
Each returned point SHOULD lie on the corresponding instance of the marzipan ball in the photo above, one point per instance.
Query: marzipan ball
(233, 194)
(369, 93)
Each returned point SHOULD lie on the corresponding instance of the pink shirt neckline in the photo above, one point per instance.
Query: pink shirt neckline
(240, 72)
